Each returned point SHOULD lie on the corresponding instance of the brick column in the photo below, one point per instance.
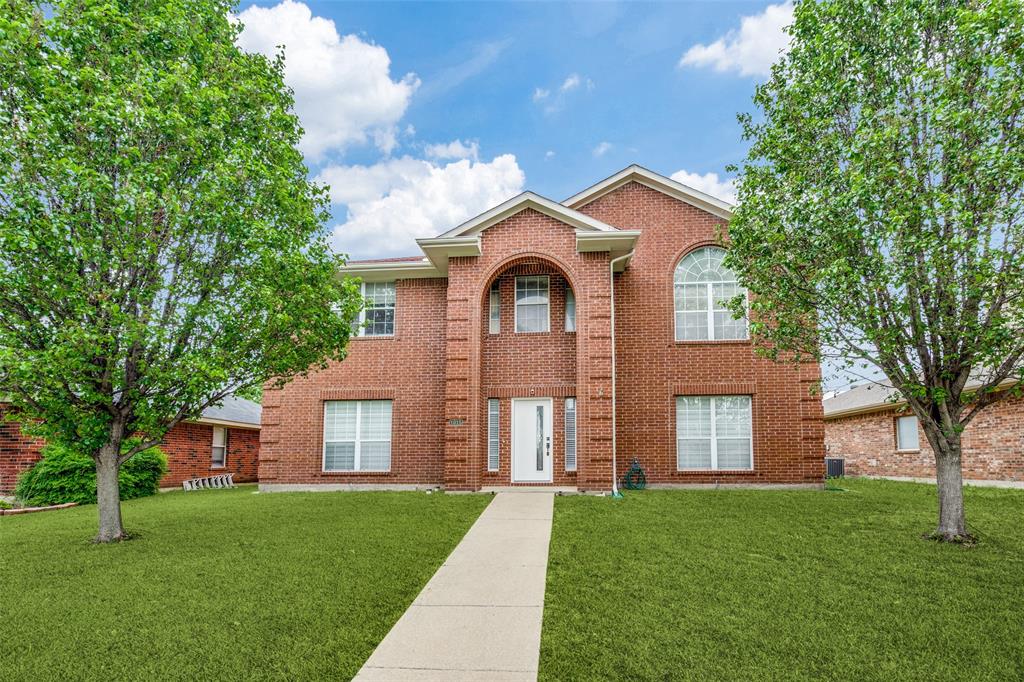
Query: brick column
(594, 372)
(462, 378)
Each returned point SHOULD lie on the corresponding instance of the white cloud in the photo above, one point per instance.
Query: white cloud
(540, 94)
(549, 154)
(456, 149)
(601, 149)
(749, 51)
(709, 183)
(396, 201)
(344, 93)
(570, 83)
(552, 104)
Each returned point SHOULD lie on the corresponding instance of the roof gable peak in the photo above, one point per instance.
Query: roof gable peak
(657, 182)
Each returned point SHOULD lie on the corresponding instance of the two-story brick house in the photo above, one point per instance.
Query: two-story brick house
(540, 342)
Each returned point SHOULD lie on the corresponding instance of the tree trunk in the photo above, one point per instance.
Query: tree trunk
(108, 494)
(949, 477)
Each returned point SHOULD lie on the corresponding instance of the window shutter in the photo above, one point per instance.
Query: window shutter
(570, 434)
(493, 441)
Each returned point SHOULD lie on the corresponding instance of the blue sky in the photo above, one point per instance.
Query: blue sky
(421, 115)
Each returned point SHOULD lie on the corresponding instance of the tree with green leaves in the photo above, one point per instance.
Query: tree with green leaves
(160, 244)
(880, 214)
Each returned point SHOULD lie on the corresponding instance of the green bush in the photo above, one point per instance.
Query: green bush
(63, 475)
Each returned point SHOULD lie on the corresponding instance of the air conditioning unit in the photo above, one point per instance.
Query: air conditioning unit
(835, 467)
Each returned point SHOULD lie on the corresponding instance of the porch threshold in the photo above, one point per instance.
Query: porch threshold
(557, 489)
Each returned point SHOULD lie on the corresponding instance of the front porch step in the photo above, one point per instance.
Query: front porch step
(529, 489)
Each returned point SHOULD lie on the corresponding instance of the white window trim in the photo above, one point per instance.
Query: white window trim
(515, 303)
(362, 315)
(917, 426)
(358, 442)
(711, 306)
(714, 436)
(214, 446)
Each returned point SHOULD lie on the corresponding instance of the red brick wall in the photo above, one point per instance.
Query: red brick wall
(407, 368)
(188, 448)
(993, 445)
(17, 452)
(653, 368)
(442, 366)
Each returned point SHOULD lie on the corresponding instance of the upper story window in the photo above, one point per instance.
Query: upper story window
(378, 315)
(703, 287)
(533, 304)
(570, 309)
(494, 312)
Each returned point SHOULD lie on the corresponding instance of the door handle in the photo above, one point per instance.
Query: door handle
(547, 443)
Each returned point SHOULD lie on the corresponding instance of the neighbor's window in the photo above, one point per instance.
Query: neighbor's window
(532, 304)
(220, 447)
(494, 303)
(713, 432)
(906, 433)
(703, 287)
(570, 434)
(493, 434)
(570, 309)
(357, 435)
(378, 315)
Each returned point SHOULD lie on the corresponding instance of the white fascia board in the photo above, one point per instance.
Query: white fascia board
(524, 201)
(617, 244)
(655, 181)
(440, 249)
(388, 271)
(227, 424)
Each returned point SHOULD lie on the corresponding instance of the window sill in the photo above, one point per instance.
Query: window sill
(712, 342)
(372, 337)
(910, 452)
(717, 472)
(374, 472)
(218, 466)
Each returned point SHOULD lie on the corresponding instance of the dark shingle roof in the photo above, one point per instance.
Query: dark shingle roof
(236, 409)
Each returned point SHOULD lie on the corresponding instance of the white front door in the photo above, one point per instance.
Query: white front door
(531, 440)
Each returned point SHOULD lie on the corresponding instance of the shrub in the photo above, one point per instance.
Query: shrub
(64, 475)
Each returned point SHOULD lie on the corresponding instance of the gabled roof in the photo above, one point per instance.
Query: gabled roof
(655, 181)
(881, 395)
(519, 203)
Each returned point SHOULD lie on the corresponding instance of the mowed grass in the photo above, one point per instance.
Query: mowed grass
(753, 585)
(219, 584)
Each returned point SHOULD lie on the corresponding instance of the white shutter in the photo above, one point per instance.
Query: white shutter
(493, 434)
(570, 434)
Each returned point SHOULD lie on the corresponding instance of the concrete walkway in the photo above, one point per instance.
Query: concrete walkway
(479, 617)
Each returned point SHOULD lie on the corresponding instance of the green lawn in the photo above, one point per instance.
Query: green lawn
(728, 584)
(219, 584)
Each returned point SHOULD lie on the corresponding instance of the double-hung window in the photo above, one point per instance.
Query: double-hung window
(703, 287)
(532, 304)
(378, 315)
(219, 455)
(713, 432)
(357, 435)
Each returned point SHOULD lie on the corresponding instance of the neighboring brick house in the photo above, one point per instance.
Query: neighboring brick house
(499, 357)
(225, 439)
(877, 436)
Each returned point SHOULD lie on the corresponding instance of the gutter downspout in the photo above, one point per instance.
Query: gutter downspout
(611, 282)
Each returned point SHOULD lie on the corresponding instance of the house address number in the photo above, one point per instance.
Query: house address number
(456, 422)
